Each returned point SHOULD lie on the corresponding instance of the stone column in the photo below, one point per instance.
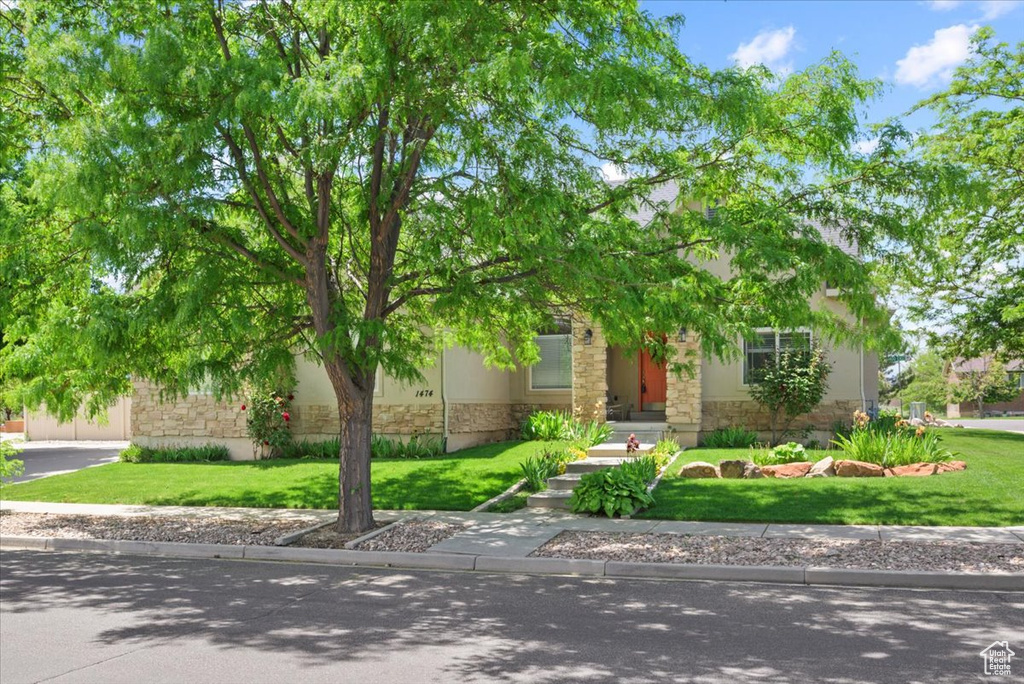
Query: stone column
(683, 393)
(589, 371)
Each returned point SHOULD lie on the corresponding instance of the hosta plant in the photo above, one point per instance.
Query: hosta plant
(611, 491)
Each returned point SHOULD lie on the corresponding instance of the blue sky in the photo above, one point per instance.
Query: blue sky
(912, 46)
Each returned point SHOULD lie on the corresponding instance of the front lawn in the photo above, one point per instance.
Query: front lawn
(455, 482)
(990, 492)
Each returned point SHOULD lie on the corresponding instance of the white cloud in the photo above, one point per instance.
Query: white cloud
(991, 9)
(948, 48)
(768, 48)
(943, 5)
(866, 146)
(611, 172)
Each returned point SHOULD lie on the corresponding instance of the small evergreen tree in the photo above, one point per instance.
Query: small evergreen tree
(790, 385)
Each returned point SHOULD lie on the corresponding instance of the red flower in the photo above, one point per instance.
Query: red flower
(243, 407)
(266, 442)
(286, 416)
(290, 397)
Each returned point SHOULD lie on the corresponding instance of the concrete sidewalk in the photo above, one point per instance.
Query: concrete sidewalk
(518, 534)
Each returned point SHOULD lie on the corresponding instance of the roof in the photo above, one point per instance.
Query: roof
(982, 364)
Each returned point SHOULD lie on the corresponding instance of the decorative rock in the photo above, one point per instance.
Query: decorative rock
(751, 472)
(733, 469)
(951, 466)
(786, 471)
(858, 469)
(913, 470)
(698, 469)
(823, 468)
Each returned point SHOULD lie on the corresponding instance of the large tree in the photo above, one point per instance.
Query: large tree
(362, 182)
(970, 284)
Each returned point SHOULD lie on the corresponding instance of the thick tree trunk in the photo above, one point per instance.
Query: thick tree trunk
(355, 412)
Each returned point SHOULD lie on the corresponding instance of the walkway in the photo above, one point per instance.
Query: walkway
(517, 535)
(43, 459)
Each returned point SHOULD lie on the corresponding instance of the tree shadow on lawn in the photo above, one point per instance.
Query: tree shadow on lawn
(875, 502)
(458, 626)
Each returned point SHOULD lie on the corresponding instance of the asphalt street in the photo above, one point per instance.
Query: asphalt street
(109, 619)
(1011, 424)
(43, 460)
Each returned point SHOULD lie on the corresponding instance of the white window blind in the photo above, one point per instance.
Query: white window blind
(554, 370)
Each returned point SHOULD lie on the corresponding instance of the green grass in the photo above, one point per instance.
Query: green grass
(514, 503)
(456, 482)
(990, 492)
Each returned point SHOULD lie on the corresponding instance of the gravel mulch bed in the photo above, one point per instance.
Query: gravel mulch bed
(413, 535)
(145, 528)
(708, 550)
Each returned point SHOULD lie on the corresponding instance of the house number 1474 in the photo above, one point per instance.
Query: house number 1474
(425, 393)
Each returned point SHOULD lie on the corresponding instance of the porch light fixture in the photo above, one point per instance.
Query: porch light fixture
(588, 336)
(682, 334)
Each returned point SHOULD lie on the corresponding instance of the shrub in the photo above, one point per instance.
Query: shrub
(10, 467)
(791, 452)
(663, 452)
(645, 468)
(895, 448)
(553, 426)
(547, 426)
(730, 438)
(136, 453)
(790, 385)
(537, 470)
(328, 448)
(612, 491)
(417, 446)
(267, 424)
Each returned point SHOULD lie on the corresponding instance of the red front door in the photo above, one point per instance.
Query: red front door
(652, 383)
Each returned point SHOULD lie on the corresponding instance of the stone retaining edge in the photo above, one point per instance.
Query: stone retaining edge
(812, 576)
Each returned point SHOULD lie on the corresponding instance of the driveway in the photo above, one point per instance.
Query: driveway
(90, 618)
(43, 459)
(1008, 424)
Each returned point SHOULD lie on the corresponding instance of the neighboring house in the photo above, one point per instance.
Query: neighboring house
(1015, 372)
(470, 404)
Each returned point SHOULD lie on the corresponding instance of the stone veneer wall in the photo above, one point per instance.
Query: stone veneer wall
(388, 419)
(750, 415)
(197, 415)
(589, 372)
(683, 392)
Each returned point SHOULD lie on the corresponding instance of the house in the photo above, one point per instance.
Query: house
(468, 403)
(1015, 372)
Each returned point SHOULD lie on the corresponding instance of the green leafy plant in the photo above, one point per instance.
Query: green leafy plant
(645, 468)
(417, 446)
(894, 448)
(10, 467)
(611, 491)
(551, 426)
(267, 424)
(730, 438)
(324, 449)
(791, 384)
(663, 452)
(791, 452)
(136, 453)
(537, 470)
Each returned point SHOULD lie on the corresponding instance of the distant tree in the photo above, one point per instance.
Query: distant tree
(930, 382)
(970, 283)
(990, 384)
(790, 385)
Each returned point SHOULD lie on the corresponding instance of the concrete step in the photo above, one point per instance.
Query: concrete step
(614, 449)
(550, 498)
(564, 482)
(589, 465)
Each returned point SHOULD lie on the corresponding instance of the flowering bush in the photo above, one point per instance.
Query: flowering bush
(268, 424)
(891, 441)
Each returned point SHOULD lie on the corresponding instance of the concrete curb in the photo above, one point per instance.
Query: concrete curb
(287, 539)
(811, 576)
(370, 535)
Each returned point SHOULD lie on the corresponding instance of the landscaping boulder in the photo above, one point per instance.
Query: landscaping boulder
(913, 470)
(787, 470)
(751, 471)
(733, 469)
(698, 469)
(951, 466)
(823, 468)
(858, 469)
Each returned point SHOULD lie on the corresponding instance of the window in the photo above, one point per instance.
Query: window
(554, 370)
(760, 350)
(1017, 378)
